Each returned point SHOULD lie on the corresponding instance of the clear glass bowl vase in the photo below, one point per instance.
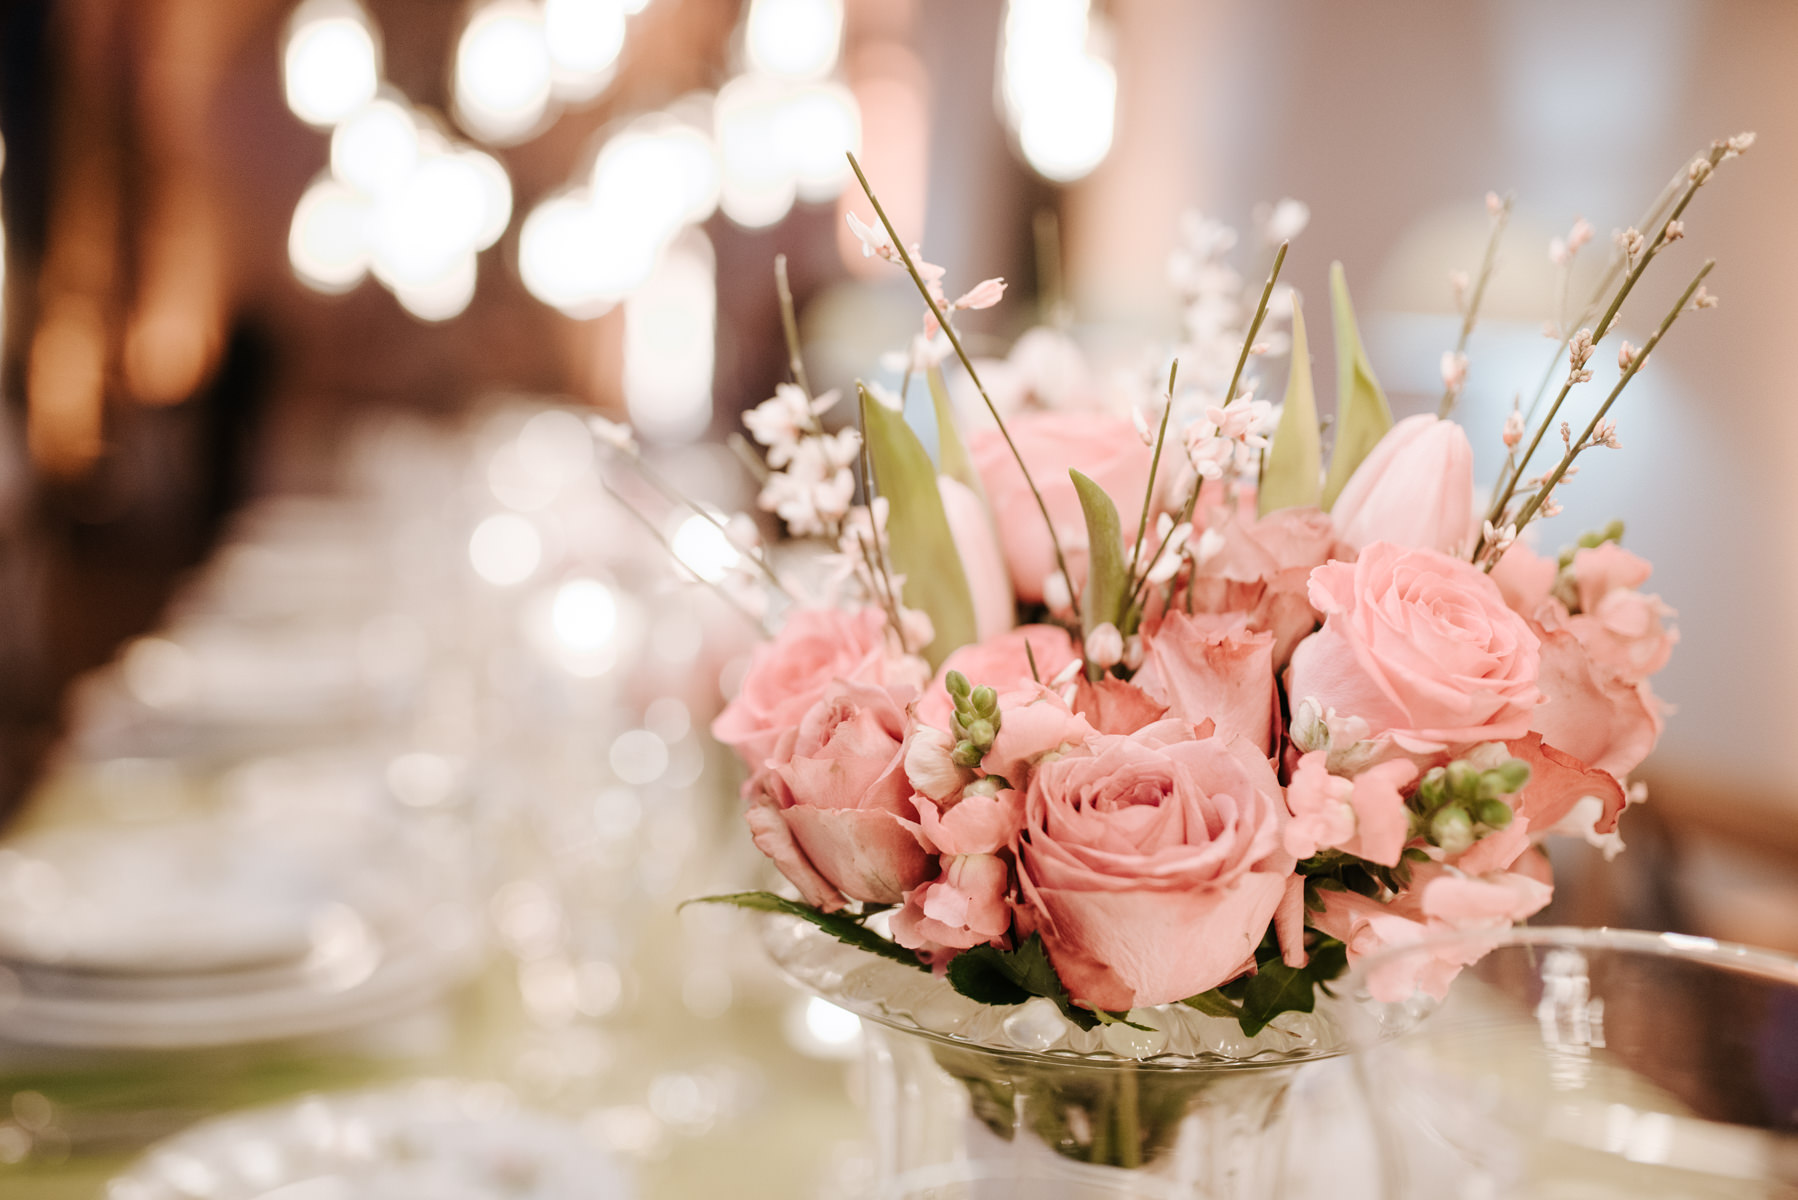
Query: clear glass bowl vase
(977, 1102)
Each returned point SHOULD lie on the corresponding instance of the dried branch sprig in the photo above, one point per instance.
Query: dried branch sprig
(1596, 432)
(1248, 343)
(1695, 176)
(1679, 190)
(1455, 365)
(911, 268)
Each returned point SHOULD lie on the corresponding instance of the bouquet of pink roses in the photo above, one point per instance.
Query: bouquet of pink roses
(1151, 705)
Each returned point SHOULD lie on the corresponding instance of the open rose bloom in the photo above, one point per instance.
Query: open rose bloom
(1157, 688)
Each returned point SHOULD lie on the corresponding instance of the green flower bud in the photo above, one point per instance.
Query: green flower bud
(1513, 774)
(1452, 829)
(981, 732)
(966, 754)
(1494, 813)
(985, 701)
(1462, 779)
(958, 685)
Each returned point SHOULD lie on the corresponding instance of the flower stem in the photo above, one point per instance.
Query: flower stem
(674, 496)
(1575, 446)
(662, 540)
(789, 324)
(1449, 394)
(942, 319)
(1148, 495)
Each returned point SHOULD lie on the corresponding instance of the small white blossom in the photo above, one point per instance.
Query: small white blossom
(1105, 646)
(1703, 299)
(1739, 144)
(1675, 230)
(1454, 371)
(1626, 354)
(929, 768)
(1056, 594)
(1211, 544)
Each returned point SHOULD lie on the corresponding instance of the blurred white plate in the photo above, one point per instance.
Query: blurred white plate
(441, 1140)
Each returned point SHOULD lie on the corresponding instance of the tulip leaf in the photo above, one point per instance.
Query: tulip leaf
(1107, 569)
(953, 459)
(919, 542)
(994, 976)
(842, 926)
(1293, 475)
(1362, 414)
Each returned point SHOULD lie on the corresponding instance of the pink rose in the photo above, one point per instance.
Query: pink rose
(1000, 663)
(1420, 646)
(816, 648)
(833, 806)
(1210, 667)
(1112, 705)
(1621, 628)
(1415, 489)
(1151, 864)
(1588, 712)
(1525, 579)
(1364, 816)
(977, 544)
(1104, 448)
(1260, 568)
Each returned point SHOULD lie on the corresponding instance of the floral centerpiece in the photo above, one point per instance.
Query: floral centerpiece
(1151, 702)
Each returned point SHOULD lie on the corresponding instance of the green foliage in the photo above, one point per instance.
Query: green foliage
(1293, 476)
(842, 926)
(922, 548)
(1255, 1000)
(994, 976)
(952, 455)
(1108, 571)
(1362, 414)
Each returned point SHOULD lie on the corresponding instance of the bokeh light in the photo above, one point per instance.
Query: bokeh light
(1058, 93)
(330, 66)
(503, 72)
(505, 549)
(800, 39)
(702, 548)
(670, 325)
(403, 202)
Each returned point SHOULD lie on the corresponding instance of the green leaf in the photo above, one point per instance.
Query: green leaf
(953, 458)
(842, 926)
(994, 976)
(1213, 1004)
(1293, 477)
(918, 538)
(1107, 570)
(1362, 414)
(1277, 988)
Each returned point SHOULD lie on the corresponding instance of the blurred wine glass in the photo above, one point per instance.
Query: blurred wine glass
(1590, 1063)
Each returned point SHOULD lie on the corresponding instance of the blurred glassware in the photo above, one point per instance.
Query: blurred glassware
(1590, 1063)
(442, 1139)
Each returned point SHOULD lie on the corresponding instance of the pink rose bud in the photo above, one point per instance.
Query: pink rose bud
(1415, 489)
